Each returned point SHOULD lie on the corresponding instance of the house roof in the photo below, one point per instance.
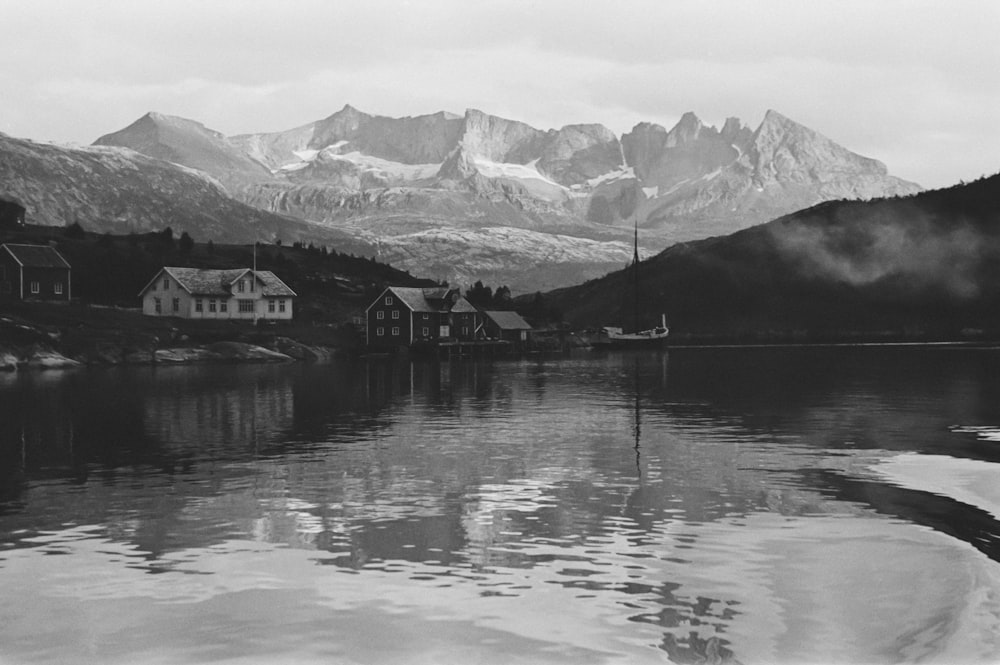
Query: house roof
(273, 286)
(213, 282)
(436, 299)
(36, 256)
(463, 306)
(508, 320)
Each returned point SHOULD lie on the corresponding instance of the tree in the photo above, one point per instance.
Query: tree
(167, 237)
(210, 248)
(501, 298)
(75, 231)
(186, 243)
(479, 295)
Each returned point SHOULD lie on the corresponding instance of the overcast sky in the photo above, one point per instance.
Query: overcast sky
(915, 84)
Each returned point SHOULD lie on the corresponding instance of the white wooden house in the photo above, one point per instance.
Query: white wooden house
(196, 293)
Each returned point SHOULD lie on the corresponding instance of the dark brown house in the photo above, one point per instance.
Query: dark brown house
(34, 272)
(403, 316)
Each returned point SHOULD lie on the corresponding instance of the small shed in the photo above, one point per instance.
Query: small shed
(508, 326)
(34, 272)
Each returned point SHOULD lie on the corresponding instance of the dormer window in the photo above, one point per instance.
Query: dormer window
(241, 286)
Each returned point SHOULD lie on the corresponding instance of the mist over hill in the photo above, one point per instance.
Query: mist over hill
(916, 267)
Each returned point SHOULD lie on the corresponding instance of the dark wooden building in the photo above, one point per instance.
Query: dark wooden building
(404, 316)
(507, 326)
(11, 214)
(34, 272)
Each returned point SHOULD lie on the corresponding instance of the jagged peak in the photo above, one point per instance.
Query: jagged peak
(347, 111)
(155, 124)
(645, 126)
(686, 130)
(689, 119)
(774, 120)
(594, 129)
(732, 126)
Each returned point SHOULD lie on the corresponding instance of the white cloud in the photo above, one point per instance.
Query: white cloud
(882, 78)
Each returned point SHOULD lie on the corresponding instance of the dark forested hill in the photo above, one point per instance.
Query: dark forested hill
(333, 287)
(918, 267)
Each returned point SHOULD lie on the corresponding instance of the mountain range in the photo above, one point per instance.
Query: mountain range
(454, 197)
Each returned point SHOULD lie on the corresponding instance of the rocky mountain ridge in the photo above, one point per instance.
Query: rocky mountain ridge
(113, 189)
(390, 183)
(680, 184)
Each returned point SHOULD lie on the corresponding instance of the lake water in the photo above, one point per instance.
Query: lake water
(696, 506)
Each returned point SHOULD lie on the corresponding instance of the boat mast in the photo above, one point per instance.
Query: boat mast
(635, 273)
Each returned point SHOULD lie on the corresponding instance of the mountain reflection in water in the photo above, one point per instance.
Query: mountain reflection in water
(754, 506)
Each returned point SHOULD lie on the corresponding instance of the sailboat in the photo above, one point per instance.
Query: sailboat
(614, 336)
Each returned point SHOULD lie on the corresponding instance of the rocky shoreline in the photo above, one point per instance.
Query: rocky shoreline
(26, 345)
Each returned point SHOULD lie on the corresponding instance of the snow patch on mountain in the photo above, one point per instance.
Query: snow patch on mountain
(527, 171)
(627, 173)
(365, 163)
(306, 155)
(490, 249)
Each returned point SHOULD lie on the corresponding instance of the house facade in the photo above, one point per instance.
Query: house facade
(403, 316)
(198, 293)
(34, 272)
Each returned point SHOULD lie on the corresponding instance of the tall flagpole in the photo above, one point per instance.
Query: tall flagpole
(253, 283)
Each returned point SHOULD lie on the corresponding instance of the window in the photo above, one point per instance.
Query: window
(270, 306)
(380, 331)
(281, 305)
(211, 305)
(395, 313)
(177, 304)
(223, 306)
(57, 288)
(388, 300)
(157, 306)
(197, 305)
(380, 315)
(246, 306)
(426, 316)
(425, 331)
(465, 331)
(395, 331)
(241, 286)
(166, 283)
(35, 287)
(251, 285)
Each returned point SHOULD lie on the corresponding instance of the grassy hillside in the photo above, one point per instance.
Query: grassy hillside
(920, 267)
